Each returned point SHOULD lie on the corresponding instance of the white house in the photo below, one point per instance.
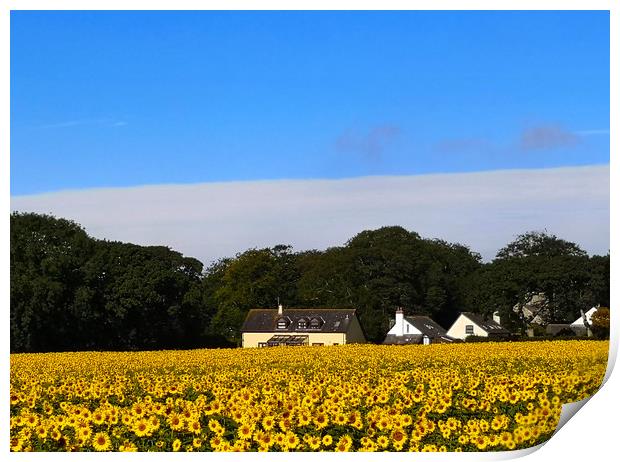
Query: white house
(579, 327)
(468, 324)
(414, 330)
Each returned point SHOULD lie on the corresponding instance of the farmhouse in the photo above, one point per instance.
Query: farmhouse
(475, 324)
(301, 326)
(415, 330)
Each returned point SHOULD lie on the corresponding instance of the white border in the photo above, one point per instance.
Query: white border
(592, 435)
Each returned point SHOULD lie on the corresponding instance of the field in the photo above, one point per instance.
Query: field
(460, 397)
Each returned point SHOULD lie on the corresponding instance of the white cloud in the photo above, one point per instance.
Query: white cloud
(212, 220)
(105, 122)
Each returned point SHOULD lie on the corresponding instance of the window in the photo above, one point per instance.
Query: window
(262, 344)
(469, 329)
(316, 323)
(335, 344)
(282, 323)
(317, 344)
(302, 323)
(407, 328)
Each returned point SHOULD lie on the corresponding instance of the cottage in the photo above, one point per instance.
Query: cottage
(301, 326)
(468, 324)
(415, 330)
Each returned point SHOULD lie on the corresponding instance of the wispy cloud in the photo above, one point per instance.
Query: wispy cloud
(104, 122)
(213, 220)
(547, 137)
(68, 123)
(370, 144)
(457, 145)
(540, 137)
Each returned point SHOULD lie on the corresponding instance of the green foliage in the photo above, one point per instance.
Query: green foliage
(537, 264)
(379, 270)
(541, 244)
(257, 278)
(72, 292)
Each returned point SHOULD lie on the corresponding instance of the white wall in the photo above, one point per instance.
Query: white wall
(579, 322)
(457, 330)
(412, 330)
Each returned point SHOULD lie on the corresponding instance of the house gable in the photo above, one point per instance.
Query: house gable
(408, 329)
(468, 324)
(579, 321)
(416, 330)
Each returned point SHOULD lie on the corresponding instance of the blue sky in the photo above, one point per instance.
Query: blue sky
(109, 99)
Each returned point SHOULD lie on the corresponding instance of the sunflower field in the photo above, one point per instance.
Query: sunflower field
(458, 397)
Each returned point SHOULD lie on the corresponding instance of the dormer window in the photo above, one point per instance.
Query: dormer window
(316, 323)
(282, 323)
(302, 323)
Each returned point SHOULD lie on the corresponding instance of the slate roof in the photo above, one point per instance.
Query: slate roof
(488, 325)
(424, 324)
(265, 320)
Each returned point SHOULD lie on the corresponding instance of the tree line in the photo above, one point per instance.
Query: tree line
(72, 292)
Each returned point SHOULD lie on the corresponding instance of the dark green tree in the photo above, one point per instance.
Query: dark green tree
(72, 292)
(257, 278)
(541, 244)
(538, 265)
(47, 256)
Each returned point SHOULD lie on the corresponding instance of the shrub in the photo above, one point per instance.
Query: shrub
(600, 323)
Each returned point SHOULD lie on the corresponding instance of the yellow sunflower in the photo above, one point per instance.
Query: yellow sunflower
(101, 442)
(176, 445)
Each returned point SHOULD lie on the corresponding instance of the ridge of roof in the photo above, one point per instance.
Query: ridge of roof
(304, 308)
(426, 325)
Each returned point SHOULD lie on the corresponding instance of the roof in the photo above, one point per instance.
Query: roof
(426, 325)
(579, 321)
(331, 320)
(288, 340)
(488, 325)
